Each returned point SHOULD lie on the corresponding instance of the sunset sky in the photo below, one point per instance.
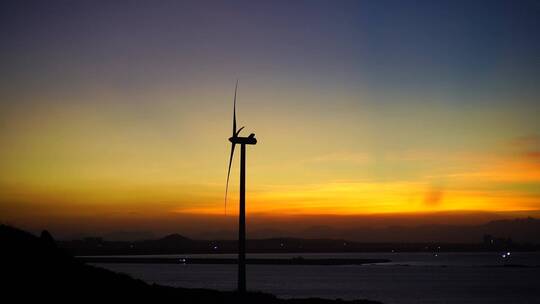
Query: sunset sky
(116, 114)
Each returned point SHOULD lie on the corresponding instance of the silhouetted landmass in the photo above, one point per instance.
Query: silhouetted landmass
(34, 268)
(521, 230)
(171, 260)
(494, 236)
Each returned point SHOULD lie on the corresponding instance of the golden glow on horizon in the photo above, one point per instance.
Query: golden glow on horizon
(360, 159)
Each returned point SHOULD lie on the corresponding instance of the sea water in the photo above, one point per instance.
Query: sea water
(410, 278)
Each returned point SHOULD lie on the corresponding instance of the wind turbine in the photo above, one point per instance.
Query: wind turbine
(242, 141)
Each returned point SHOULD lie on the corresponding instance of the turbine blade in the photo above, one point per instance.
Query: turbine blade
(238, 132)
(234, 109)
(228, 175)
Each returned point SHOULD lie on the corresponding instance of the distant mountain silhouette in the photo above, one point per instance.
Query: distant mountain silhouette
(519, 230)
(174, 238)
(525, 230)
(34, 268)
(519, 234)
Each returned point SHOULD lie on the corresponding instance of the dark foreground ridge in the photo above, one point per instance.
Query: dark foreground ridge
(35, 268)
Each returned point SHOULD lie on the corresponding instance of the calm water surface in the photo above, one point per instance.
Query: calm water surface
(409, 278)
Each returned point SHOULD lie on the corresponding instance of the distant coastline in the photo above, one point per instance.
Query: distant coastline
(495, 236)
(170, 260)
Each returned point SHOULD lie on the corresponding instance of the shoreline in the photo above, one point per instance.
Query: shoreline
(225, 261)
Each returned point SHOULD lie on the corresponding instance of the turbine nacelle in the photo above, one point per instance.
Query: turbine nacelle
(250, 140)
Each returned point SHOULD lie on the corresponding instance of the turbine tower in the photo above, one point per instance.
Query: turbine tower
(242, 141)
